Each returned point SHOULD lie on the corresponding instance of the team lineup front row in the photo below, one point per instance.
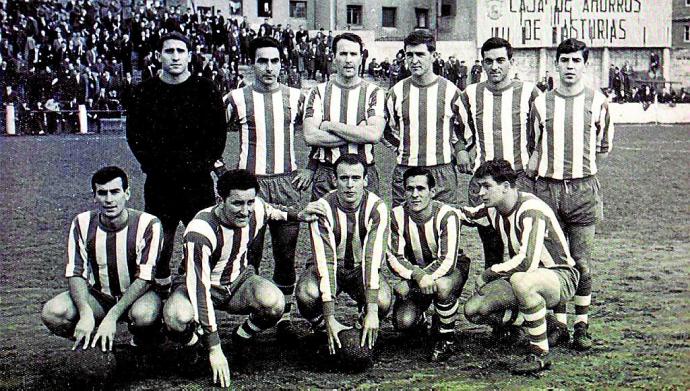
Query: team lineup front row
(534, 193)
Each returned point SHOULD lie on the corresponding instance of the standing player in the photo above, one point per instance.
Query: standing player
(422, 251)
(217, 272)
(421, 114)
(265, 114)
(495, 116)
(540, 273)
(574, 134)
(349, 245)
(112, 254)
(176, 130)
(343, 115)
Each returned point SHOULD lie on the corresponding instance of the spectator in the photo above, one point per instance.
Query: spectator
(476, 72)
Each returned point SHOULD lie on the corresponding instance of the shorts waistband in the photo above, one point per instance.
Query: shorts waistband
(434, 166)
(285, 174)
(332, 166)
(568, 180)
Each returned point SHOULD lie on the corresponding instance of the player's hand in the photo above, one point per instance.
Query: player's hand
(333, 328)
(302, 179)
(463, 161)
(370, 329)
(531, 170)
(402, 289)
(83, 329)
(427, 285)
(312, 211)
(106, 333)
(219, 366)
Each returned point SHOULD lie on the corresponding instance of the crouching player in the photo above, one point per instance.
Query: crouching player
(422, 251)
(218, 275)
(540, 273)
(349, 246)
(111, 257)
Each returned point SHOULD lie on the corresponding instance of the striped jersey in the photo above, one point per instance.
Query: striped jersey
(418, 248)
(266, 122)
(531, 233)
(496, 122)
(215, 254)
(569, 131)
(347, 105)
(421, 121)
(349, 239)
(110, 260)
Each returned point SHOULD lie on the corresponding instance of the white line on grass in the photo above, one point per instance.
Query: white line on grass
(655, 150)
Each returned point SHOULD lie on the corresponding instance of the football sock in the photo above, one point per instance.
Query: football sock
(510, 318)
(318, 323)
(583, 298)
(447, 314)
(535, 322)
(185, 336)
(248, 329)
(560, 312)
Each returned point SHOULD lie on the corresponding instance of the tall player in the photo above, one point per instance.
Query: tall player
(343, 115)
(265, 115)
(422, 252)
(217, 272)
(540, 273)
(421, 113)
(574, 134)
(495, 115)
(349, 244)
(112, 254)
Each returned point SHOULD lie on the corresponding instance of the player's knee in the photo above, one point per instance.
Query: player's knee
(444, 289)
(521, 284)
(307, 291)
(384, 300)
(475, 309)
(177, 315)
(144, 315)
(268, 299)
(54, 313)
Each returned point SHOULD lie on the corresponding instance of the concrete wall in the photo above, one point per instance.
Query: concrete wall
(633, 113)
(680, 71)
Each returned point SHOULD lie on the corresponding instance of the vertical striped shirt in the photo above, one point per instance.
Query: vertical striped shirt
(215, 254)
(111, 260)
(496, 122)
(347, 105)
(266, 121)
(569, 132)
(419, 248)
(349, 239)
(421, 121)
(531, 233)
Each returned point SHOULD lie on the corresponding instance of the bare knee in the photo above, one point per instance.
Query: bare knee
(444, 289)
(307, 294)
(269, 300)
(521, 284)
(178, 312)
(144, 314)
(384, 299)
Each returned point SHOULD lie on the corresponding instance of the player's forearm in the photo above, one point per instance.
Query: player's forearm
(135, 291)
(316, 137)
(371, 132)
(79, 292)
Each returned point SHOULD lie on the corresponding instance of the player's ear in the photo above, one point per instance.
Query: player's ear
(432, 192)
(157, 55)
(127, 194)
(366, 180)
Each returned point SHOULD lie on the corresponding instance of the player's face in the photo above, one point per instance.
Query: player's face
(111, 198)
(491, 192)
(419, 59)
(174, 57)
(417, 193)
(237, 208)
(497, 65)
(267, 66)
(350, 183)
(571, 67)
(347, 58)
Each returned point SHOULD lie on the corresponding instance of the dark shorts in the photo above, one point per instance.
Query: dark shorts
(445, 175)
(349, 281)
(523, 183)
(107, 302)
(575, 202)
(569, 278)
(220, 294)
(278, 190)
(324, 180)
(423, 300)
(177, 199)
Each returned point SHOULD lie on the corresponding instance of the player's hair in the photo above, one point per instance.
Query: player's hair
(107, 174)
(348, 37)
(497, 43)
(419, 171)
(572, 45)
(236, 180)
(499, 170)
(350, 159)
(419, 37)
(262, 42)
(177, 36)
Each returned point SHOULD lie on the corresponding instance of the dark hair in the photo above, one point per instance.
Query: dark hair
(262, 42)
(236, 180)
(419, 37)
(419, 171)
(107, 174)
(350, 159)
(499, 170)
(348, 37)
(497, 43)
(178, 36)
(572, 45)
